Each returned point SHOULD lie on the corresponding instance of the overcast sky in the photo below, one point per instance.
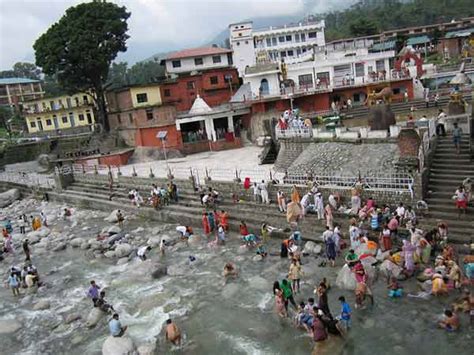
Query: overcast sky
(154, 26)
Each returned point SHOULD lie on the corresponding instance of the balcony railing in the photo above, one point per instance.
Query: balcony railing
(292, 132)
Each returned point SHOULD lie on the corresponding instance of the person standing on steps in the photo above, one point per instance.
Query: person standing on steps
(457, 132)
(461, 200)
(440, 123)
(26, 250)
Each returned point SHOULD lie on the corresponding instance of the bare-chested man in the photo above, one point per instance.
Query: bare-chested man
(172, 333)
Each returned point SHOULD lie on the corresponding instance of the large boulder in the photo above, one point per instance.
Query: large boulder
(60, 246)
(94, 317)
(72, 318)
(7, 197)
(119, 346)
(41, 305)
(43, 232)
(154, 241)
(9, 326)
(76, 242)
(112, 218)
(122, 250)
(110, 254)
(114, 230)
(312, 248)
(159, 271)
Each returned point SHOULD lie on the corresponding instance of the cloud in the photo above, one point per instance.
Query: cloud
(155, 25)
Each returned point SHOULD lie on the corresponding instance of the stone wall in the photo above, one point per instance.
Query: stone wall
(290, 150)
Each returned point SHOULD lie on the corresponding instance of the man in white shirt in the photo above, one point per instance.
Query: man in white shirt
(440, 123)
(264, 192)
(256, 192)
(400, 210)
(305, 202)
(141, 253)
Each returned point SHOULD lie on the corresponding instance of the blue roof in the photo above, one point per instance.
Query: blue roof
(7, 81)
(418, 40)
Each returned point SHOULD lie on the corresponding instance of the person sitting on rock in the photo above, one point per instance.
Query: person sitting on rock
(141, 253)
(115, 327)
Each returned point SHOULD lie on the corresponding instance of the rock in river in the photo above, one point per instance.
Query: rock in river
(119, 346)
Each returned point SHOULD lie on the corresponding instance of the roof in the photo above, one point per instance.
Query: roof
(8, 81)
(412, 41)
(383, 46)
(200, 107)
(197, 52)
(460, 33)
(244, 93)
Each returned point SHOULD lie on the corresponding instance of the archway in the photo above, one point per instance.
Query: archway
(406, 55)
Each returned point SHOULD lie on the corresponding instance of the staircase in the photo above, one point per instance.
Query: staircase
(447, 172)
(269, 154)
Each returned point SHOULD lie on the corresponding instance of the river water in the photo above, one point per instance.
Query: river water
(237, 318)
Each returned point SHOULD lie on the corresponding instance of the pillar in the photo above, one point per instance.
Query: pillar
(230, 123)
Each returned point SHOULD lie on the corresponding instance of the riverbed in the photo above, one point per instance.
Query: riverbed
(236, 318)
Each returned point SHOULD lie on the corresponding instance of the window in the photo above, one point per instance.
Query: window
(81, 117)
(281, 39)
(298, 51)
(274, 41)
(214, 80)
(216, 59)
(312, 34)
(89, 117)
(64, 119)
(246, 42)
(44, 105)
(167, 92)
(68, 102)
(130, 118)
(85, 99)
(119, 119)
(52, 105)
(380, 65)
(269, 42)
(198, 61)
(283, 54)
(240, 34)
(370, 69)
(33, 124)
(305, 80)
(396, 91)
(48, 122)
(190, 85)
(149, 114)
(141, 98)
(288, 38)
(76, 99)
(290, 53)
(242, 26)
(324, 77)
(176, 63)
(359, 68)
(303, 37)
(297, 37)
(238, 43)
(60, 103)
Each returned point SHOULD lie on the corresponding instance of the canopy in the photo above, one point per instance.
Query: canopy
(418, 40)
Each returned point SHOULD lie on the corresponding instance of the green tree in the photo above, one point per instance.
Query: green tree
(80, 47)
(27, 70)
(363, 27)
(117, 75)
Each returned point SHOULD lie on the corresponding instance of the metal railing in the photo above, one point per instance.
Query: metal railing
(292, 132)
(401, 182)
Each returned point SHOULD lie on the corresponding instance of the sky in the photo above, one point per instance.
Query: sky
(155, 25)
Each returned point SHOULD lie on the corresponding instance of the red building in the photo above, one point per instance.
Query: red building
(215, 86)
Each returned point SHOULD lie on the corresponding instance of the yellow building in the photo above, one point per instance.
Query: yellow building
(59, 113)
(145, 95)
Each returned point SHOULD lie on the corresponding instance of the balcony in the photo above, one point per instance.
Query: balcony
(374, 77)
(298, 90)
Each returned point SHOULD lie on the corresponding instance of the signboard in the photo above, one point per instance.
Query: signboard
(161, 135)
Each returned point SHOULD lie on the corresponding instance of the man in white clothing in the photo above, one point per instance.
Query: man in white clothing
(256, 192)
(264, 192)
(305, 202)
(141, 253)
(319, 205)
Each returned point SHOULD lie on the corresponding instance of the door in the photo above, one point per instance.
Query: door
(71, 119)
(40, 125)
(264, 87)
(55, 121)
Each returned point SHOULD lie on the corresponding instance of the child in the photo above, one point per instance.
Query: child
(395, 290)
(346, 311)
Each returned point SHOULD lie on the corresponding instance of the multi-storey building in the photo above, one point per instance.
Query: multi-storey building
(14, 91)
(197, 59)
(59, 113)
(207, 72)
(137, 113)
(290, 43)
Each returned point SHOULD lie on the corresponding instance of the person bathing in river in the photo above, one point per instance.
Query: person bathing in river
(230, 271)
(141, 253)
(172, 333)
